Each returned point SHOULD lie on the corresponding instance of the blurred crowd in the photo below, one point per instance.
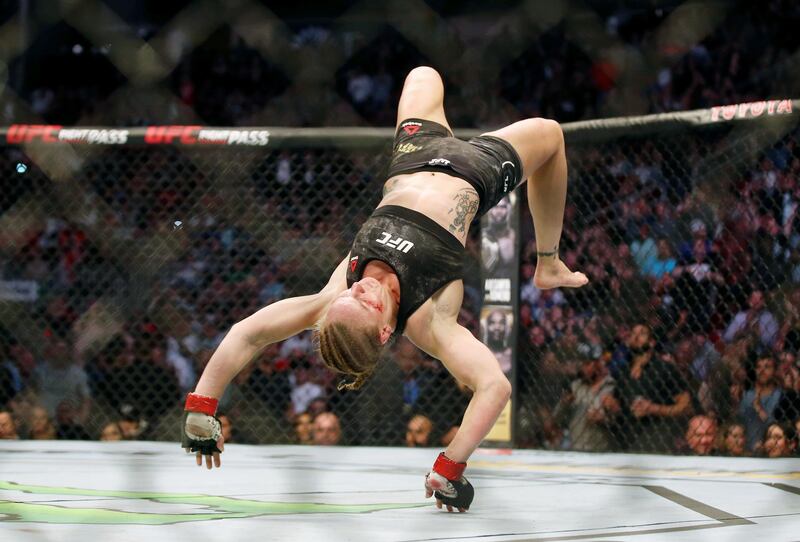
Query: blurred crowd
(231, 78)
(685, 341)
(118, 334)
(689, 328)
(687, 333)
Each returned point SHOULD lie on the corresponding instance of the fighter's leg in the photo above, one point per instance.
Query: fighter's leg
(540, 145)
(422, 97)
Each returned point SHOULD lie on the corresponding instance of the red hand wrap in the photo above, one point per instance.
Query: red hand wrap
(449, 468)
(201, 403)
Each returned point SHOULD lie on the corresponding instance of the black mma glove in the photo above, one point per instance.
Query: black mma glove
(201, 431)
(447, 483)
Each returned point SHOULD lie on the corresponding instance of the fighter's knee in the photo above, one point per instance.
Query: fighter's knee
(554, 128)
(423, 74)
(545, 127)
(546, 132)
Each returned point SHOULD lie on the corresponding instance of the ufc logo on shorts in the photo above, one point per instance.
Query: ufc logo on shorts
(395, 242)
(439, 162)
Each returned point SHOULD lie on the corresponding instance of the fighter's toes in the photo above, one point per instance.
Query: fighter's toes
(555, 275)
(575, 280)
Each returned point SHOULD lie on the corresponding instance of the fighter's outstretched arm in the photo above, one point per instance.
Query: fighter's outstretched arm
(473, 364)
(273, 323)
(201, 431)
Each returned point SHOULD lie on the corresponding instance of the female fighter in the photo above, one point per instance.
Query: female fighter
(403, 273)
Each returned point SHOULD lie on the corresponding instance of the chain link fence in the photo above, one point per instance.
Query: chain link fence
(686, 338)
(120, 280)
(122, 266)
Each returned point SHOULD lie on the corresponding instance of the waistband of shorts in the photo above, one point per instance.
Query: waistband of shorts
(424, 222)
(427, 121)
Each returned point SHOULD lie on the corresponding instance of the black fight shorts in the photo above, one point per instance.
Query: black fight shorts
(489, 164)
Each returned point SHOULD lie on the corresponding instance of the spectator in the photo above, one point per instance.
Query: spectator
(8, 429)
(131, 422)
(770, 255)
(210, 335)
(789, 406)
(779, 440)
(327, 431)
(305, 390)
(303, 428)
(731, 247)
(41, 426)
(786, 368)
(733, 440)
(270, 381)
(558, 367)
(705, 357)
(714, 393)
(683, 354)
(100, 368)
(68, 425)
(111, 432)
(11, 382)
(662, 263)
(756, 320)
(699, 237)
(297, 345)
(418, 432)
(283, 174)
(60, 378)
(665, 227)
(417, 376)
(8, 386)
(553, 436)
(359, 87)
(142, 377)
(654, 399)
(589, 403)
(24, 359)
(701, 435)
(758, 404)
(643, 249)
(318, 406)
(796, 426)
(181, 349)
(696, 283)
(790, 330)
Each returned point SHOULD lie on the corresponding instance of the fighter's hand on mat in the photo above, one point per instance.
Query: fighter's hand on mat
(202, 434)
(201, 431)
(447, 483)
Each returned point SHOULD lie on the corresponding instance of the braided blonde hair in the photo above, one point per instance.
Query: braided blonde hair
(349, 351)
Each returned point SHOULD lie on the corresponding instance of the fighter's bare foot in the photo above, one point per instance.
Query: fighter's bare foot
(553, 273)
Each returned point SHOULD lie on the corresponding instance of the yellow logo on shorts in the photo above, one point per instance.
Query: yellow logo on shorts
(407, 147)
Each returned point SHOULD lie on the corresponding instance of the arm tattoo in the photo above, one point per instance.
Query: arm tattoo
(466, 204)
